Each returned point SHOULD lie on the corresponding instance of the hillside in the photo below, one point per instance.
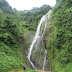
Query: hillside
(58, 37)
(15, 29)
(6, 7)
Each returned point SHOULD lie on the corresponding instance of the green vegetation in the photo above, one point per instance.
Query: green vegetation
(57, 1)
(32, 17)
(5, 6)
(21, 70)
(10, 54)
(59, 37)
(29, 70)
(14, 25)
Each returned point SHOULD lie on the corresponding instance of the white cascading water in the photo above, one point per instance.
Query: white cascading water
(44, 60)
(43, 19)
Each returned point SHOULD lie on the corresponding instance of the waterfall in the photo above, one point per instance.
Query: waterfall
(44, 60)
(43, 19)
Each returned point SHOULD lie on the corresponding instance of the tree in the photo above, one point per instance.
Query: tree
(57, 1)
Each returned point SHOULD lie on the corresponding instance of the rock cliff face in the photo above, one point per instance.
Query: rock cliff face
(25, 42)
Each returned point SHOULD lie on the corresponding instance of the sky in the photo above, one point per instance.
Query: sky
(29, 4)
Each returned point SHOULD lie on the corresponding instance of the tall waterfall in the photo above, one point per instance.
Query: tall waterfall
(43, 19)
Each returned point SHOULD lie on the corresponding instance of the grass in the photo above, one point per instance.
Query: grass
(21, 70)
(9, 59)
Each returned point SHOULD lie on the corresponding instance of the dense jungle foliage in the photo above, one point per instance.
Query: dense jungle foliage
(59, 37)
(13, 25)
